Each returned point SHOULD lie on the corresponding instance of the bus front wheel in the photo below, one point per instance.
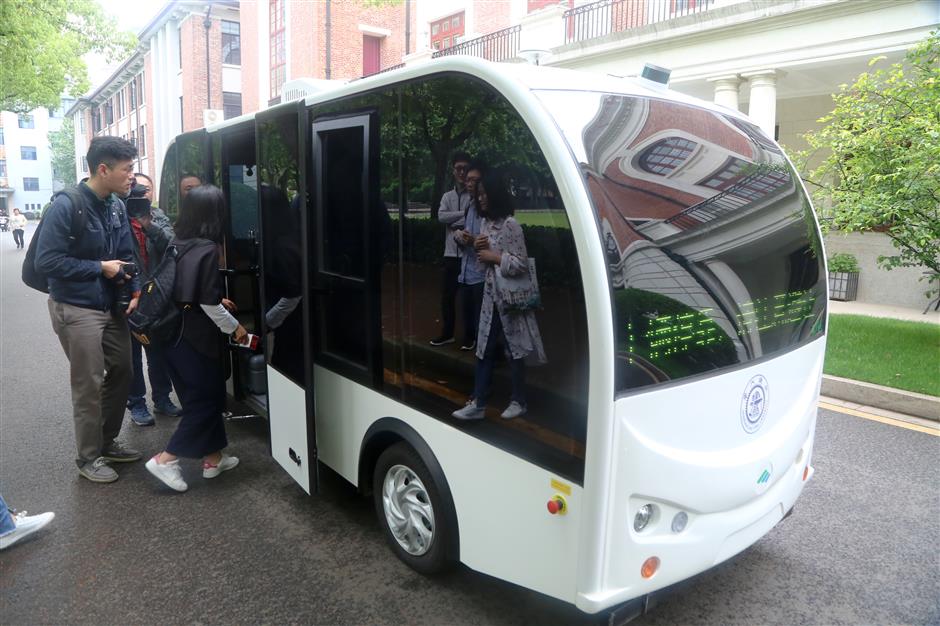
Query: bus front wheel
(410, 509)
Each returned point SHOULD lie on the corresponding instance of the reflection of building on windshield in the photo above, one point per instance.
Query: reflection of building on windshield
(687, 198)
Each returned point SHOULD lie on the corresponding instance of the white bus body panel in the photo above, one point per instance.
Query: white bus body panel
(505, 527)
(287, 408)
(686, 444)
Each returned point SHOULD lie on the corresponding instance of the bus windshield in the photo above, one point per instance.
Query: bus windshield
(713, 253)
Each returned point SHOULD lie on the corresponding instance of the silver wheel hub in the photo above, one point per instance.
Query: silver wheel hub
(408, 510)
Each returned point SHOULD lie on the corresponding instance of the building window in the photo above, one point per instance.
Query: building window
(26, 121)
(119, 100)
(453, 25)
(133, 138)
(1, 136)
(231, 43)
(3, 168)
(84, 164)
(81, 121)
(666, 155)
(30, 184)
(140, 88)
(95, 120)
(179, 46)
(132, 93)
(759, 185)
(142, 141)
(109, 112)
(231, 104)
(278, 51)
(28, 153)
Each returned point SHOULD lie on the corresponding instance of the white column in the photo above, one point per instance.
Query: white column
(726, 90)
(763, 101)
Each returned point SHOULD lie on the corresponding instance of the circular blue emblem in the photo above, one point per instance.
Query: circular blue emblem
(754, 404)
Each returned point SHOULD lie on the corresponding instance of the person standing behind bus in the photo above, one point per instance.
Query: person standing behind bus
(195, 361)
(472, 270)
(452, 212)
(501, 247)
(18, 225)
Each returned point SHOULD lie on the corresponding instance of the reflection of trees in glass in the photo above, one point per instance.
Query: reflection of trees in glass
(444, 115)
(169, 185)
(192, 156)
(277, 150)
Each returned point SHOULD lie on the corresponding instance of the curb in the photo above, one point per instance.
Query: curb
(869, 394)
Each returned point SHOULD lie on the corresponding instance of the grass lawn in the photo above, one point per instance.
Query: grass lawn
(895, 353)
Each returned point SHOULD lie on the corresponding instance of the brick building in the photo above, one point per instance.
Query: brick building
(186, 72)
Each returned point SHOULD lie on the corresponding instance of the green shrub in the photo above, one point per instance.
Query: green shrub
(843, 262)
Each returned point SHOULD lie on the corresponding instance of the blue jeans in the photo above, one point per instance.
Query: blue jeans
(156, 372)
(6, 520)
(484, 372)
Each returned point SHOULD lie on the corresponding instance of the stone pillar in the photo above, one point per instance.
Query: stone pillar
(763, 101)
(726, 90)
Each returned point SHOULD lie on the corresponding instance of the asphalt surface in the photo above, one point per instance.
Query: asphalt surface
(250, 547)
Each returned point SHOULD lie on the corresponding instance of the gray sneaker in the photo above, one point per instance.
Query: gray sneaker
(97, 471)
(117, 452)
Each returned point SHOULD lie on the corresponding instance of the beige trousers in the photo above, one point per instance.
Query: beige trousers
(98, 347)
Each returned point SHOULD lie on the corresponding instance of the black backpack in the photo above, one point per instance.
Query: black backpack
(33, 277)
(157, 321)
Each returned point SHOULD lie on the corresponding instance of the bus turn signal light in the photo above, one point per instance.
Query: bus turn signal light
(805, 473)
(650, 567)
(557, 505)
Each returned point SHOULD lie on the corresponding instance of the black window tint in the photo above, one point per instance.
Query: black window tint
(713, 260)
(169, 184)
(281, 206)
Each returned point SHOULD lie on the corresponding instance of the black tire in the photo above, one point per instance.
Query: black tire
(434, 557)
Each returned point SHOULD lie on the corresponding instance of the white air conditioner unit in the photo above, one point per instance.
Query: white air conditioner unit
(212, 116)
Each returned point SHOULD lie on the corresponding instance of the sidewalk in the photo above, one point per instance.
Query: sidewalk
(857, 393)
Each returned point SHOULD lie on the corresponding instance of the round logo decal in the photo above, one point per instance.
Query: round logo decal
(754, 404)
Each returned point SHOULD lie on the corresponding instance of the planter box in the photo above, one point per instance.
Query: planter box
(843, 286)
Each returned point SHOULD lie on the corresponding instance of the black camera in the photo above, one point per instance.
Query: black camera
(124, 292)
(137, 205)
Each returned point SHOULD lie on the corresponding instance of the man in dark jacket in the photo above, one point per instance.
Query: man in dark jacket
(86, 277)
(151, 233)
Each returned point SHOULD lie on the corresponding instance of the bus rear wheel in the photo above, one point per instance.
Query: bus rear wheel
(410, 509)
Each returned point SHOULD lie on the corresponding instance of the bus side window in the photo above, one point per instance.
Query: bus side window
(169, 185)
(445, 120)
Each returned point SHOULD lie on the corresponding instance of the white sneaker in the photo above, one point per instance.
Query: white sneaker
(470, 412)
(225, 464)
(26, 525)
(169, 473)
(513, 410)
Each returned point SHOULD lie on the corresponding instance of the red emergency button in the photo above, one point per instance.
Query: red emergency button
(557, 505)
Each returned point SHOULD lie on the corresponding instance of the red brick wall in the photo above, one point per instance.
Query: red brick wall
(305, 35)
(195, 83)
(489, 16)
(250, 32)
(346, 44)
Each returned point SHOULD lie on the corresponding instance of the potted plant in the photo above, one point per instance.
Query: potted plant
(843, 276)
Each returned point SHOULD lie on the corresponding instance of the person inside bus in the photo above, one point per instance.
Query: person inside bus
(472, 270)
(451, 214)
(195, 362)
(501, 248)
(188, 182)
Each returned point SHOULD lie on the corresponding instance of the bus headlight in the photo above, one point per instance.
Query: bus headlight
(643, 516)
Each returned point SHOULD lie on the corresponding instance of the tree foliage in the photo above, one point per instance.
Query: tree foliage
(62, 143)
(41, 47)
(882, 169)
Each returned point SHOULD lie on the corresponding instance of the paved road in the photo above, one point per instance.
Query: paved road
(250, 547)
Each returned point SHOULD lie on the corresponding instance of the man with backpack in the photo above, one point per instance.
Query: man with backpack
(84, 269)
(152, 233)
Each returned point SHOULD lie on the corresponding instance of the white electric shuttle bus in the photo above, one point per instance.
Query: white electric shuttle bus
(683, 319)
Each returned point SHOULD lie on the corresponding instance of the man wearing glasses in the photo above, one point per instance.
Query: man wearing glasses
(452, 214)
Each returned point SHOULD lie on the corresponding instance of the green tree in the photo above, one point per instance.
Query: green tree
(41, 47)
(882, 164)
(62, 143)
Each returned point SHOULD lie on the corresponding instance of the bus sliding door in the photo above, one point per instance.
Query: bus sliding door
(346, 256)
(283, 204)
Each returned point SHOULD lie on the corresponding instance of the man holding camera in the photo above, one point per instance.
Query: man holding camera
(86, 281)
(151, 233)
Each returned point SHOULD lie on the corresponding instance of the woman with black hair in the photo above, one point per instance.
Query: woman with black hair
(195, 361)
(501, 248)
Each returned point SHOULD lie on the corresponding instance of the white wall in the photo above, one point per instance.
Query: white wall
(16, 137)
